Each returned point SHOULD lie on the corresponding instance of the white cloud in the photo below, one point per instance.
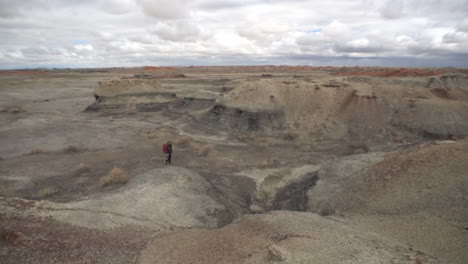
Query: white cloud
(358, 43)
(336, 30)
(84, 47)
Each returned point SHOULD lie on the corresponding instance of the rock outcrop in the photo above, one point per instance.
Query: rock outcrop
(166, 197)
(280, 237)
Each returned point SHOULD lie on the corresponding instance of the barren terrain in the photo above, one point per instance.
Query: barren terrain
(270, 164)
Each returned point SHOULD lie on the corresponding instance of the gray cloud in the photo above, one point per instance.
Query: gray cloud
(182, 32)
(392, 9)
(173, 9)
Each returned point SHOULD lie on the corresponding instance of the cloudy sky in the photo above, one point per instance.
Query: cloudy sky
(103, 33)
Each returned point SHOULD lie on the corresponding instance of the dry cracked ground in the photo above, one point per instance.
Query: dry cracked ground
(271, 164)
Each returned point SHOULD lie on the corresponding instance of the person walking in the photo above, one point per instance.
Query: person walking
(167, 148)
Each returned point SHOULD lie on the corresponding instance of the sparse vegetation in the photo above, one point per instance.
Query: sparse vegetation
(264, 198)
(205, 150)
(277, 175)
(324, 208)
(47, 192)
(144, 117)
(82, 168)
(9, 237)
(263, 145)
(288, 135)
(36, 150)
(360, 148)
(116, 175)
(12, 110)
(243, 138)
(151, 133)
(70, 150)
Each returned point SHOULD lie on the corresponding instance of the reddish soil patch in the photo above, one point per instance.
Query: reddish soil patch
(152, 68)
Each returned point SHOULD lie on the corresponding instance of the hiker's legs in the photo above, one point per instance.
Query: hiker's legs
(168, 159)
(169, 156)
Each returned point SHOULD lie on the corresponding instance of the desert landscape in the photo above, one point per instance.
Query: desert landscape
(271, 164)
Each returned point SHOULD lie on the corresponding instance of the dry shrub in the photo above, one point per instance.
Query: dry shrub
(151, 133)
(276, 176)
(263, 145)
(16, 110)
(145, 117)
(70, 150)
(264, 198)
(184, 141)
(47, 191)
(288, 135)
(265, 164)
(205, 150)
(12, 110)
(82, 168)
(81, 180)
(268, 163)
(116, 175)
(36, 150)
(360, 148)
(9, 237)
(243, 138)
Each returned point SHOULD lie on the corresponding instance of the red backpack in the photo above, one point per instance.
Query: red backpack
(165, 148)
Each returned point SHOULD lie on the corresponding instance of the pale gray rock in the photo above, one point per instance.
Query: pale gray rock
(333, 178)
(171, 196)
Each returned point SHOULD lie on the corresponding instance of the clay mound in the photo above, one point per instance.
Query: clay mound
(283, 237)
(449, 81)
(269, 104)
(417, 196)
(158, 198)
(130, 95)
(357, 107)
(127, 86)
(330, 107)
(434, 118)
(403, 72)
(402, 182)
(199, 100)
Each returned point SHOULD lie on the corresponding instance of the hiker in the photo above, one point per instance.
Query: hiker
(167, 148)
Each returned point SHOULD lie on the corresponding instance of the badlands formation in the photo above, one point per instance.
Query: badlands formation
(271, 164)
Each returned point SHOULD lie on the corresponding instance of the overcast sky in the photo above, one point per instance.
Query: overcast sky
(103, 33)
